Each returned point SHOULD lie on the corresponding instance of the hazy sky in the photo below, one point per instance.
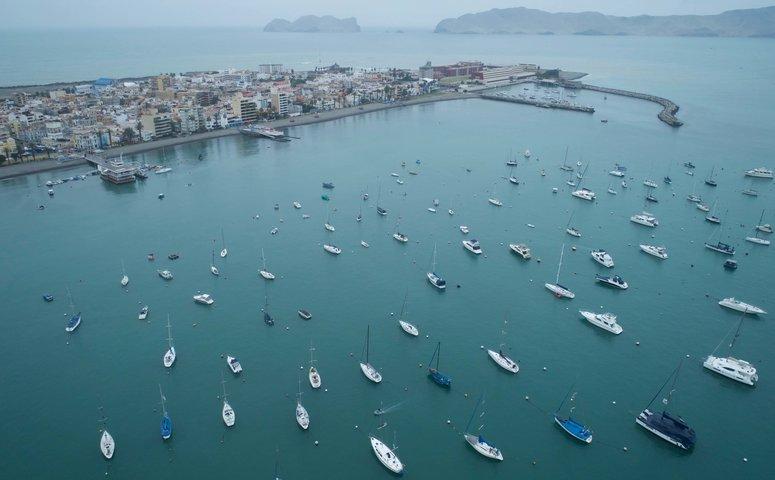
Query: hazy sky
(410, 13)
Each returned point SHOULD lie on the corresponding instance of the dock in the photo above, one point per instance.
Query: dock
(560, 104)
(669, 108)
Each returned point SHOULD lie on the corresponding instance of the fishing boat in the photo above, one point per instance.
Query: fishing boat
(124, 277)
(464, 229)
(302, 416)
(143, 313)
(204, 299)
(606, 321)
(166, 421)
(759, 172)
(710, 181)
(672, 429)
(435, 279)
(304, 314)
(224, 251)
(572, 427)
(213, 269)
(602, 257)
(472, 246)
(314, 376)
(558, 290)
(433, 371)
(477, 441)
(735, 304)
(165, 274)
(234, 365)
(729, 366)
(657, 251)
(170, 355)
(613, 281)
(386, 455)
(227, 412)
(332, 249)
(646, 219)
(263, 271)
(521, 249)
(500, 358)
(75, 318)
(368, 370)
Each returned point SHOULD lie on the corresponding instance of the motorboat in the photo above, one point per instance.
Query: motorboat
(645, 219)
(143, 313)
(364, 244)
(165, 274)
(409, 328)
(616, 173)
(214, 270)
(274, 231)
(759, 172)
(758, 241)
(173, 256)
(603, 258)
(124, 280)
(526, 154)
(107, 445)
(328, 185)
(503, 360)
(521, 249)
(733, 368)
(296, 205)
(735, 304)
(399, 181)
(204, 298)
(329, 227)
(495, 201)
(657, 251)
(400, 237)
(386, 455)
(431, 209)
(613, 281)
(464, 229)
(451, 212)
(721, 247)
(584, 194)
(48, 297)
(304, 314)
(394, 174)
(513, 180)
(612, 191)
(730, 264)
(766, 228)
(667, 180)
(689, 165)
(472, 246)
(606, 321)
(333, 249)
(650, 183)
(73, 323)
(233, 364)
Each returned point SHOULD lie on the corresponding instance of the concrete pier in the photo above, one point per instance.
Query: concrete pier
(562, 105)
(669, 109)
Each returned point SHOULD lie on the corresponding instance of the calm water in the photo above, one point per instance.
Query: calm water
(53, 383)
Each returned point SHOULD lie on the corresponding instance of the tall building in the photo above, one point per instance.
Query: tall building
(161, 83)
(280, 102)
(156, 125)
(270, 68)
(245, 109)
(191, 120)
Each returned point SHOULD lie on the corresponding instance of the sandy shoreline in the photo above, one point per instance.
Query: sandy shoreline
(16, 170)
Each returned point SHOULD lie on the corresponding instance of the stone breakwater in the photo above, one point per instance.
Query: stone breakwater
(669, 109)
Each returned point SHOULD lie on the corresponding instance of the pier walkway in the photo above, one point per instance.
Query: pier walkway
(562, 105)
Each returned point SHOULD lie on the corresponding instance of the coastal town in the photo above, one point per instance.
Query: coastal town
(91, 117)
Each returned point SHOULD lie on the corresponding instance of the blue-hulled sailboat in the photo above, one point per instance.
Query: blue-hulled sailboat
(434, 373)
(572, 426)
(670, 428)
(166, 421)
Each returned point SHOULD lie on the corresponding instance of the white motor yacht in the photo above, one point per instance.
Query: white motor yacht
(521, 249)
(657, 251)
(733, 368)
(233, 364)
(296, 205)
(464, 229)
(759, 172)
(734, 304)
(165, 274)
(333, 249)
(472, 246)
(204, 298)
(603, 258)
(364, 244)
(606, 321)
(766, 228)
(503, 361)
(646, 219)
(584, 194)
(613, 281)
(616, 173)
(329, 227)
(143, 313)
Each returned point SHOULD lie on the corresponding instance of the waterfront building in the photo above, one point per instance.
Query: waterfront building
(245, 109)
(156, 125)
(492, 75)
(280, 102)
(116, 171)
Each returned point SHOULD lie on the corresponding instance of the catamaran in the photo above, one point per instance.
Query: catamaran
(166, 421)
(558, 290)
(386, 455)
(75, 318)
(224, 251)
(606, 321)
(602, 257)
(314, 376)
(735, 304)
(657, 251)
(263, 271)
(501, 358)
(435, 279)
(124, 277)
(478, 442)
(670, 428)
(227, 412)
(572, 427)
(732, 367)
(433, 371)
(170, 355)
(367, 369)
(646, 219)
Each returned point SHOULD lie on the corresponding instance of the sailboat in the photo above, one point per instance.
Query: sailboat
(267, 316)
(107, 444)
(478, 442)
(302, 416)
(711, 217)
(573, 427)
(763, 227)
(328, 225)
(381, 211)
(710, 181)
(664, 425)
(756, 239)
(720, 246)
(386, 455)
(263, 271)
(406, 326)
(75, 318)
(565, 167)
(583, 193)
(398, 235)
(314, 375)
(559, 290)
(227, 413)
(435, 279)
(224, 251)
(732, 367)
(367, 369)
(171, 354)
(124, 277)
(360, 213)
(433, 371)
(501, 358)
(572, 231)
(166, 421)
(213, 269)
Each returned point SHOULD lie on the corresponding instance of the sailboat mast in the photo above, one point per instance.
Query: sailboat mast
(565, 398)
(675, 372)
(368, 328)
(476, 407)
(163, 407)
(559, 266)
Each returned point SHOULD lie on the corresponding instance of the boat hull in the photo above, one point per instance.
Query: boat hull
(371, 373)
(386, 456)
(483, 448)
(717, 365)
(574, 429)
(646, 420)
(503, 361)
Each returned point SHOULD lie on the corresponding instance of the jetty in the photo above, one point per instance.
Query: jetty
(558, 104)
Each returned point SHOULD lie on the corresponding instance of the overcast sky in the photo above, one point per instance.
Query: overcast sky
(409, 13)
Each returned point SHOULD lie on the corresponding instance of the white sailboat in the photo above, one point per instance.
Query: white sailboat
(406, 326)
(227, 412)
(386, 455)
(107, 444)
(756, 239)
(314, 376)
(302, 416)
(572, 231)
(398, 235)
(729, 366)
(735, 304)
(171, 354)
(366, 367)
(435, 279)
(213, 269)
(263, 271)
(477, 441)
(124, 277)
(559, 290)
(328, 225)
(500, 357)
(224, 251)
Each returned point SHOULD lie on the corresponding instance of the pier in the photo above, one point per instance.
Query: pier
(669, 109)
(562, 105)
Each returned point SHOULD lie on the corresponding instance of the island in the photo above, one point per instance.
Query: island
(754, 22)
(314, 24)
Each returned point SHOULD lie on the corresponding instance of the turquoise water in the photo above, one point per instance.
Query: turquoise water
(53, 383)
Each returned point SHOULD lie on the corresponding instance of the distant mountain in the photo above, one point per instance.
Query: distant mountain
(312, 23)
(755, 22)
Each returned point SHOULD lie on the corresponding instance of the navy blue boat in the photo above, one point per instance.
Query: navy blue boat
(166, 422)
(48, 297)
(664, 425)
(328, 185)
(434, 373)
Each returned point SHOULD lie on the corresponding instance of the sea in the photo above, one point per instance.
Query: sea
(58, 388)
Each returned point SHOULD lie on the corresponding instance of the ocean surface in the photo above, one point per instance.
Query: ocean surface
(54, 383)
